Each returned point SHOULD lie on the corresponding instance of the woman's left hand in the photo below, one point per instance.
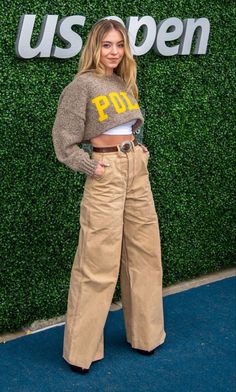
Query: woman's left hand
(144, 148)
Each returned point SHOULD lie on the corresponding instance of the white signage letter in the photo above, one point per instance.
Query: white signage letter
(175, 27)
(45, 40)
(133, 24)
(202, 28)
(71, 38)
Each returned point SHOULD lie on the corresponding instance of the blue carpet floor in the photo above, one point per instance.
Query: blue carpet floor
(198, 353)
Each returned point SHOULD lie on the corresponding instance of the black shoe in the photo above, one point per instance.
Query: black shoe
(78, 369)
(144, 352)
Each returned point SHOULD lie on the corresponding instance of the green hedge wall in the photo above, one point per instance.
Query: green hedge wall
(189, 104)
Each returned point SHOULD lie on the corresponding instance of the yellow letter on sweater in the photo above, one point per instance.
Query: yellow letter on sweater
(117, 102)
(101, 107)
(130, 105)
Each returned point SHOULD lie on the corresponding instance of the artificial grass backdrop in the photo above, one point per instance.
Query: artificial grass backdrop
(189, 130)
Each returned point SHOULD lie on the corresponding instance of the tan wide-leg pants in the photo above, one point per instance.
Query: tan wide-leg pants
(119, 230)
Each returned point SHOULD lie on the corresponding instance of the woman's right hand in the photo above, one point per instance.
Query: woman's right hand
(100, 168)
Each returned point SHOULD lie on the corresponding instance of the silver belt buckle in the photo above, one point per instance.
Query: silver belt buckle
(125, 146)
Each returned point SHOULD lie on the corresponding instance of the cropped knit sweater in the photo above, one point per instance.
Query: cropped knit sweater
(88, 106)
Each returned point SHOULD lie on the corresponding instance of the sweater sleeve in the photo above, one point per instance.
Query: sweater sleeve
(68, 129)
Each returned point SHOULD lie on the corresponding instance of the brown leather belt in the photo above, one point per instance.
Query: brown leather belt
(124, 146)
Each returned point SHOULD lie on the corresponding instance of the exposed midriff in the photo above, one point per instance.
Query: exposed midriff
(109, 140)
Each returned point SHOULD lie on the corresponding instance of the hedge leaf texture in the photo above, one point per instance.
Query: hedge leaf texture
(189, 104)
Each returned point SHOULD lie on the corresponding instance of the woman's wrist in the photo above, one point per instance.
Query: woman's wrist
(88, 166)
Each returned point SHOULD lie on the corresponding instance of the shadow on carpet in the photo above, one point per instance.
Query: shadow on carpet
(198, 353)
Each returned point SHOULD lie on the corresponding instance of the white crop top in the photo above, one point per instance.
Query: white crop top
(123, 129)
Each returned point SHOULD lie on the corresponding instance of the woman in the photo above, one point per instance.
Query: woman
(119, 228)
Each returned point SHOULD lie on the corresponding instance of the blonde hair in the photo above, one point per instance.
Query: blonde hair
(90, 55)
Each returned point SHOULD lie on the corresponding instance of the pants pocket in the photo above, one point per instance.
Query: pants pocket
(100, 157)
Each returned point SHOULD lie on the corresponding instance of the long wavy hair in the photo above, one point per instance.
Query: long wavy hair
(90, 55)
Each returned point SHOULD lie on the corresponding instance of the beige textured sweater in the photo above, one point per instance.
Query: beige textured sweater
(87, 107)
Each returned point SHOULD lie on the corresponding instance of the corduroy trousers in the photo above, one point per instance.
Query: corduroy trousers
(119, 232)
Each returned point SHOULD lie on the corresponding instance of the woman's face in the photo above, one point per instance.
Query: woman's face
(112, 50)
